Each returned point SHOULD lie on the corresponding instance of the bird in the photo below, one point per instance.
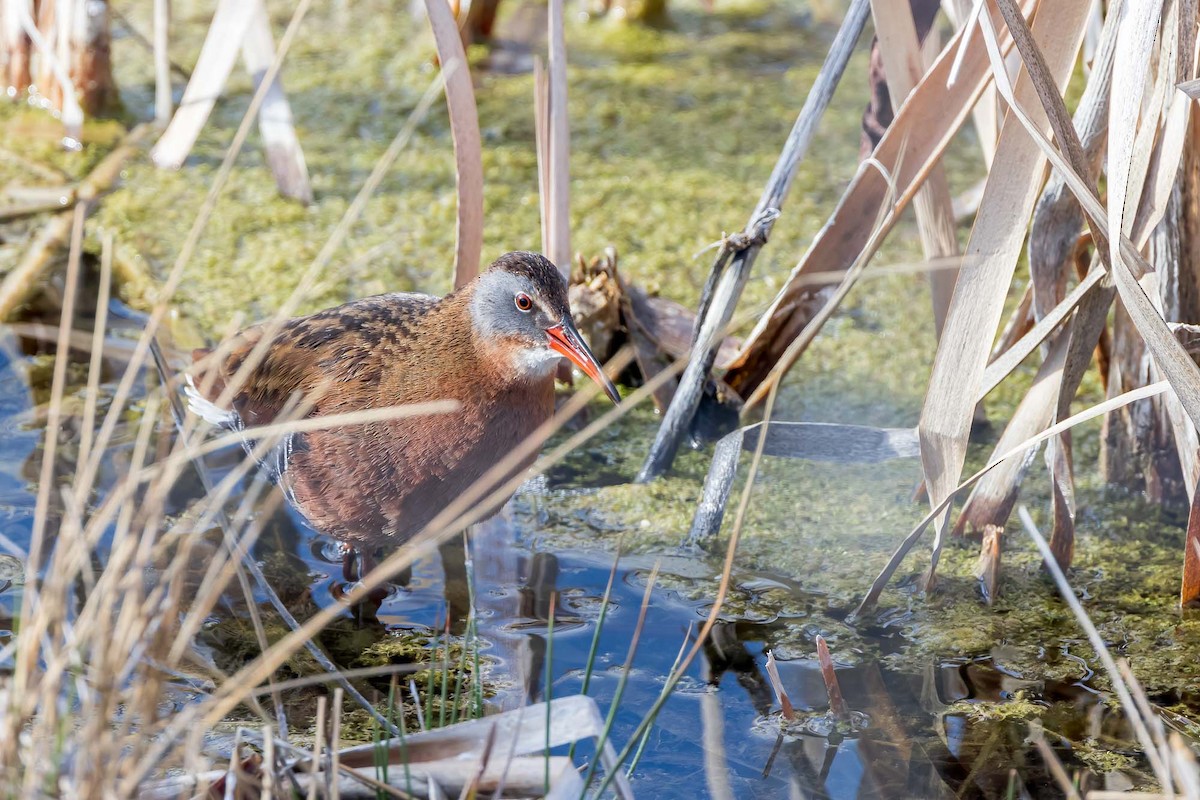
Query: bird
(493, 346)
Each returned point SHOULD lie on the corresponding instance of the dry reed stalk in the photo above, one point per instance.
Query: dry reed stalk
(284, 155)
(16, 49)
(1019, 323)
(241, 25)
(987, 271)
(558, 201)
(25, 664)
(904, 68)
(1052, 243)
(162, 63)
(1132, 710)
(87, 428)
(1181, 372)
(468, 148)
(335, 739)
(988, 567)
(541, 139)
(1189, 588)
(318, 756)
(1168, 353)
(993, 498)
(919, 133)
(731, 269)
(51, 41)
(88, 51)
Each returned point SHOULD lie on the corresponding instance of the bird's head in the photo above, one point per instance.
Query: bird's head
(519, 305)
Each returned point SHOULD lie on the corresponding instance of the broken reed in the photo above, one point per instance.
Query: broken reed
(1143, 91)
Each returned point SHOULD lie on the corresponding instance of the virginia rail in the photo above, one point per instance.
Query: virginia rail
(493, 345)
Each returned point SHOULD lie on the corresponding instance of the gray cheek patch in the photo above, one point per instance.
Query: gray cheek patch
(493, 311)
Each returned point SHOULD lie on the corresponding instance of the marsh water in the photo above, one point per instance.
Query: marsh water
(923, 724)
(675, 127)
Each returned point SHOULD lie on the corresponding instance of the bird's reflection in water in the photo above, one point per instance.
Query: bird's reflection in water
(521, 594)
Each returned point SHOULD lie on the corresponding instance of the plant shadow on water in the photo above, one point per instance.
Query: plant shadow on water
(956, 728)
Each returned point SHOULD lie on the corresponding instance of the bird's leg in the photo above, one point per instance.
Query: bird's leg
(349, 562)
(453, 553)
(357, 562)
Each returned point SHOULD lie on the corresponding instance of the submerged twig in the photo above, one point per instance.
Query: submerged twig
(837, 703)
(785, 702)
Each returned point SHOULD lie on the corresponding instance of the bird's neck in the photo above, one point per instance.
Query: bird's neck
(450, 348)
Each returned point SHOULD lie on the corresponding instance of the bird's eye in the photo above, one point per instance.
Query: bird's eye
(524, 302)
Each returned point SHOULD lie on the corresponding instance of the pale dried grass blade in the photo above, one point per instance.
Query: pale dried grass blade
(1135, 44)
(1005, 363)
(1086, 328)
(1057, 219)
(993, 497)
(54, 79)
(1053, 248)
(1176, 63)
(984, 115)
(468, 147)
(991, 257)
(1019, 323)
(1168, 353)
(969, 23)
(1132, 712)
